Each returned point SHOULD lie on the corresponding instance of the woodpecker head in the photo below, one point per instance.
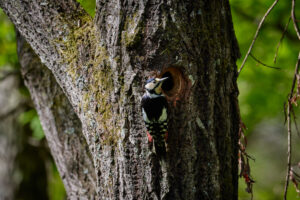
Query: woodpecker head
(153, 85)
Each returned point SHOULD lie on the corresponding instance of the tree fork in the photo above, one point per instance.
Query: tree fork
(101, 65)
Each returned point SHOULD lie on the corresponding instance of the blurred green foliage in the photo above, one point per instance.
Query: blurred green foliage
(56, 188)
(30, 117)
(37, 130)
(88, 5)
(8, 56)
(33, 173)
(263, 91)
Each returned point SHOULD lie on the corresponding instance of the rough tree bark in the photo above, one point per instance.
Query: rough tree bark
(61, 125)
(94, 124)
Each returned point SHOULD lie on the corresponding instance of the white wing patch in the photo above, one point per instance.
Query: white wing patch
(163, 116)
(145, 117)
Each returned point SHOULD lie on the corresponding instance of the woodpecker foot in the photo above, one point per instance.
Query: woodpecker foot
(166, 135)
(150, 139)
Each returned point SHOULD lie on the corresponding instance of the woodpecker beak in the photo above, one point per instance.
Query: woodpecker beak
(162, 79)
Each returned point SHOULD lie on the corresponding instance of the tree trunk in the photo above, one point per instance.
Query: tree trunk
(94, 124)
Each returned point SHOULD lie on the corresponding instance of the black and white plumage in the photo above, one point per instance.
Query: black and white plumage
(155, 113)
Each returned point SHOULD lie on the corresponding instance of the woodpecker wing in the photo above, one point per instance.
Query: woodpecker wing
(154, 107)
(155, 117)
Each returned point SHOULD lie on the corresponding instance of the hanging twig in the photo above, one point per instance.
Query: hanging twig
(262, 62)
(244, 165)
(291, 98)
(295, 174)
(280, 41)
(289, 150)
(294, 19)
(289, 110)
(256, 34)
(294, 99)
(295, 122)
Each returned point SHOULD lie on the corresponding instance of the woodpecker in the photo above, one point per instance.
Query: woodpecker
(155, 113)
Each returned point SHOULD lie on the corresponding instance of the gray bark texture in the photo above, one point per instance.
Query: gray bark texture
(89, 99)
(10, 108)
(61, 125)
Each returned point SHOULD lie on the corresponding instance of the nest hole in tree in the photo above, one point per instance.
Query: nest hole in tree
(173, 87)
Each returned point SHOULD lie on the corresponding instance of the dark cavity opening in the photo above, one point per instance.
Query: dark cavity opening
(174, 87)
(169, 83)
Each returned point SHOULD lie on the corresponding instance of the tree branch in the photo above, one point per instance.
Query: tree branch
(281, 39)
(273, 25)
(293, 15)
(256, 34)
(289, 110)
(61, 126)
(56, 32)
(41, 23)
(262, 62)
(289, 152)
(290, 101)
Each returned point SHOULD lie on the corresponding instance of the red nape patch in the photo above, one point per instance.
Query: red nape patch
(166, 135)
(150, 139)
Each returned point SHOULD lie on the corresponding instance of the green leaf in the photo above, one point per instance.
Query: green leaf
(27, 116)
(31, 117)
(37, 130)
(56, 188)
